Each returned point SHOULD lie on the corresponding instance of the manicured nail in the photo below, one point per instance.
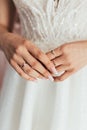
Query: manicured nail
(37, 78)
(54, 70)
(33, 80)
(44, 78)
(51, 78)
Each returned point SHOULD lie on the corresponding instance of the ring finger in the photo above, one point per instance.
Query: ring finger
(58, 61)
(36, 65)
(62, 68)
(26, 67)
(20, 71)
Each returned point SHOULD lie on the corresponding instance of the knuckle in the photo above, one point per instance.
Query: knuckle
(64, 48)
(62, 78)
(66, 57)
(45, 73)
(69, 61)
(25, 43)
(20, 49)
(49, 64)
(34, 64)
(72, 70)
(70, 65)
(28, 70)
(14, 56)
(39, 54)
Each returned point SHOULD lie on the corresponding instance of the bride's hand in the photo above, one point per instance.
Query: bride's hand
(69, 58)
(28, 60)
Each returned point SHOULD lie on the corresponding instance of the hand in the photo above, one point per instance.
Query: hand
(69, 58)
(28, 60)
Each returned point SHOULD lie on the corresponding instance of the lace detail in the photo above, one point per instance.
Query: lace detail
(48, 27)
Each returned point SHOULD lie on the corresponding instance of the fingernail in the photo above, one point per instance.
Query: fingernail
(51, 78)
(34, 80)
(54, 70)
(44, 78)
(37, 78)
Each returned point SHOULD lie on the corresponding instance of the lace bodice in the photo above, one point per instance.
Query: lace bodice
(48, 25)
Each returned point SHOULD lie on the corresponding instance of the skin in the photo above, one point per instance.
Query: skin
(19, 50)
(69, 57)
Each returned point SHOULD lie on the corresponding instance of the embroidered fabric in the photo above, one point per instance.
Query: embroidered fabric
(48, 26)
(46, 105)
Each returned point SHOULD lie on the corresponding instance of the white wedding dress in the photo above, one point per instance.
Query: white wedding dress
(46, 105)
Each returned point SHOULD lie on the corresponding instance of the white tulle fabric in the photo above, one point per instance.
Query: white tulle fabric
(46, 105)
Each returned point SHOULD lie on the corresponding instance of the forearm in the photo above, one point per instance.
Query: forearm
(3, 32)
(7, 13)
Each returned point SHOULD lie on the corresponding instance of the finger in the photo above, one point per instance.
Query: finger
(20, 71)
(64, 76)
(27, 68)
(62, 68)
(57, 52)
(58, 61)
(42, 57)
(36, 64)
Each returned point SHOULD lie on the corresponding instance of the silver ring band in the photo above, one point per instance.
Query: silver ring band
(54, 63)
(53, 52)
(23, 65)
